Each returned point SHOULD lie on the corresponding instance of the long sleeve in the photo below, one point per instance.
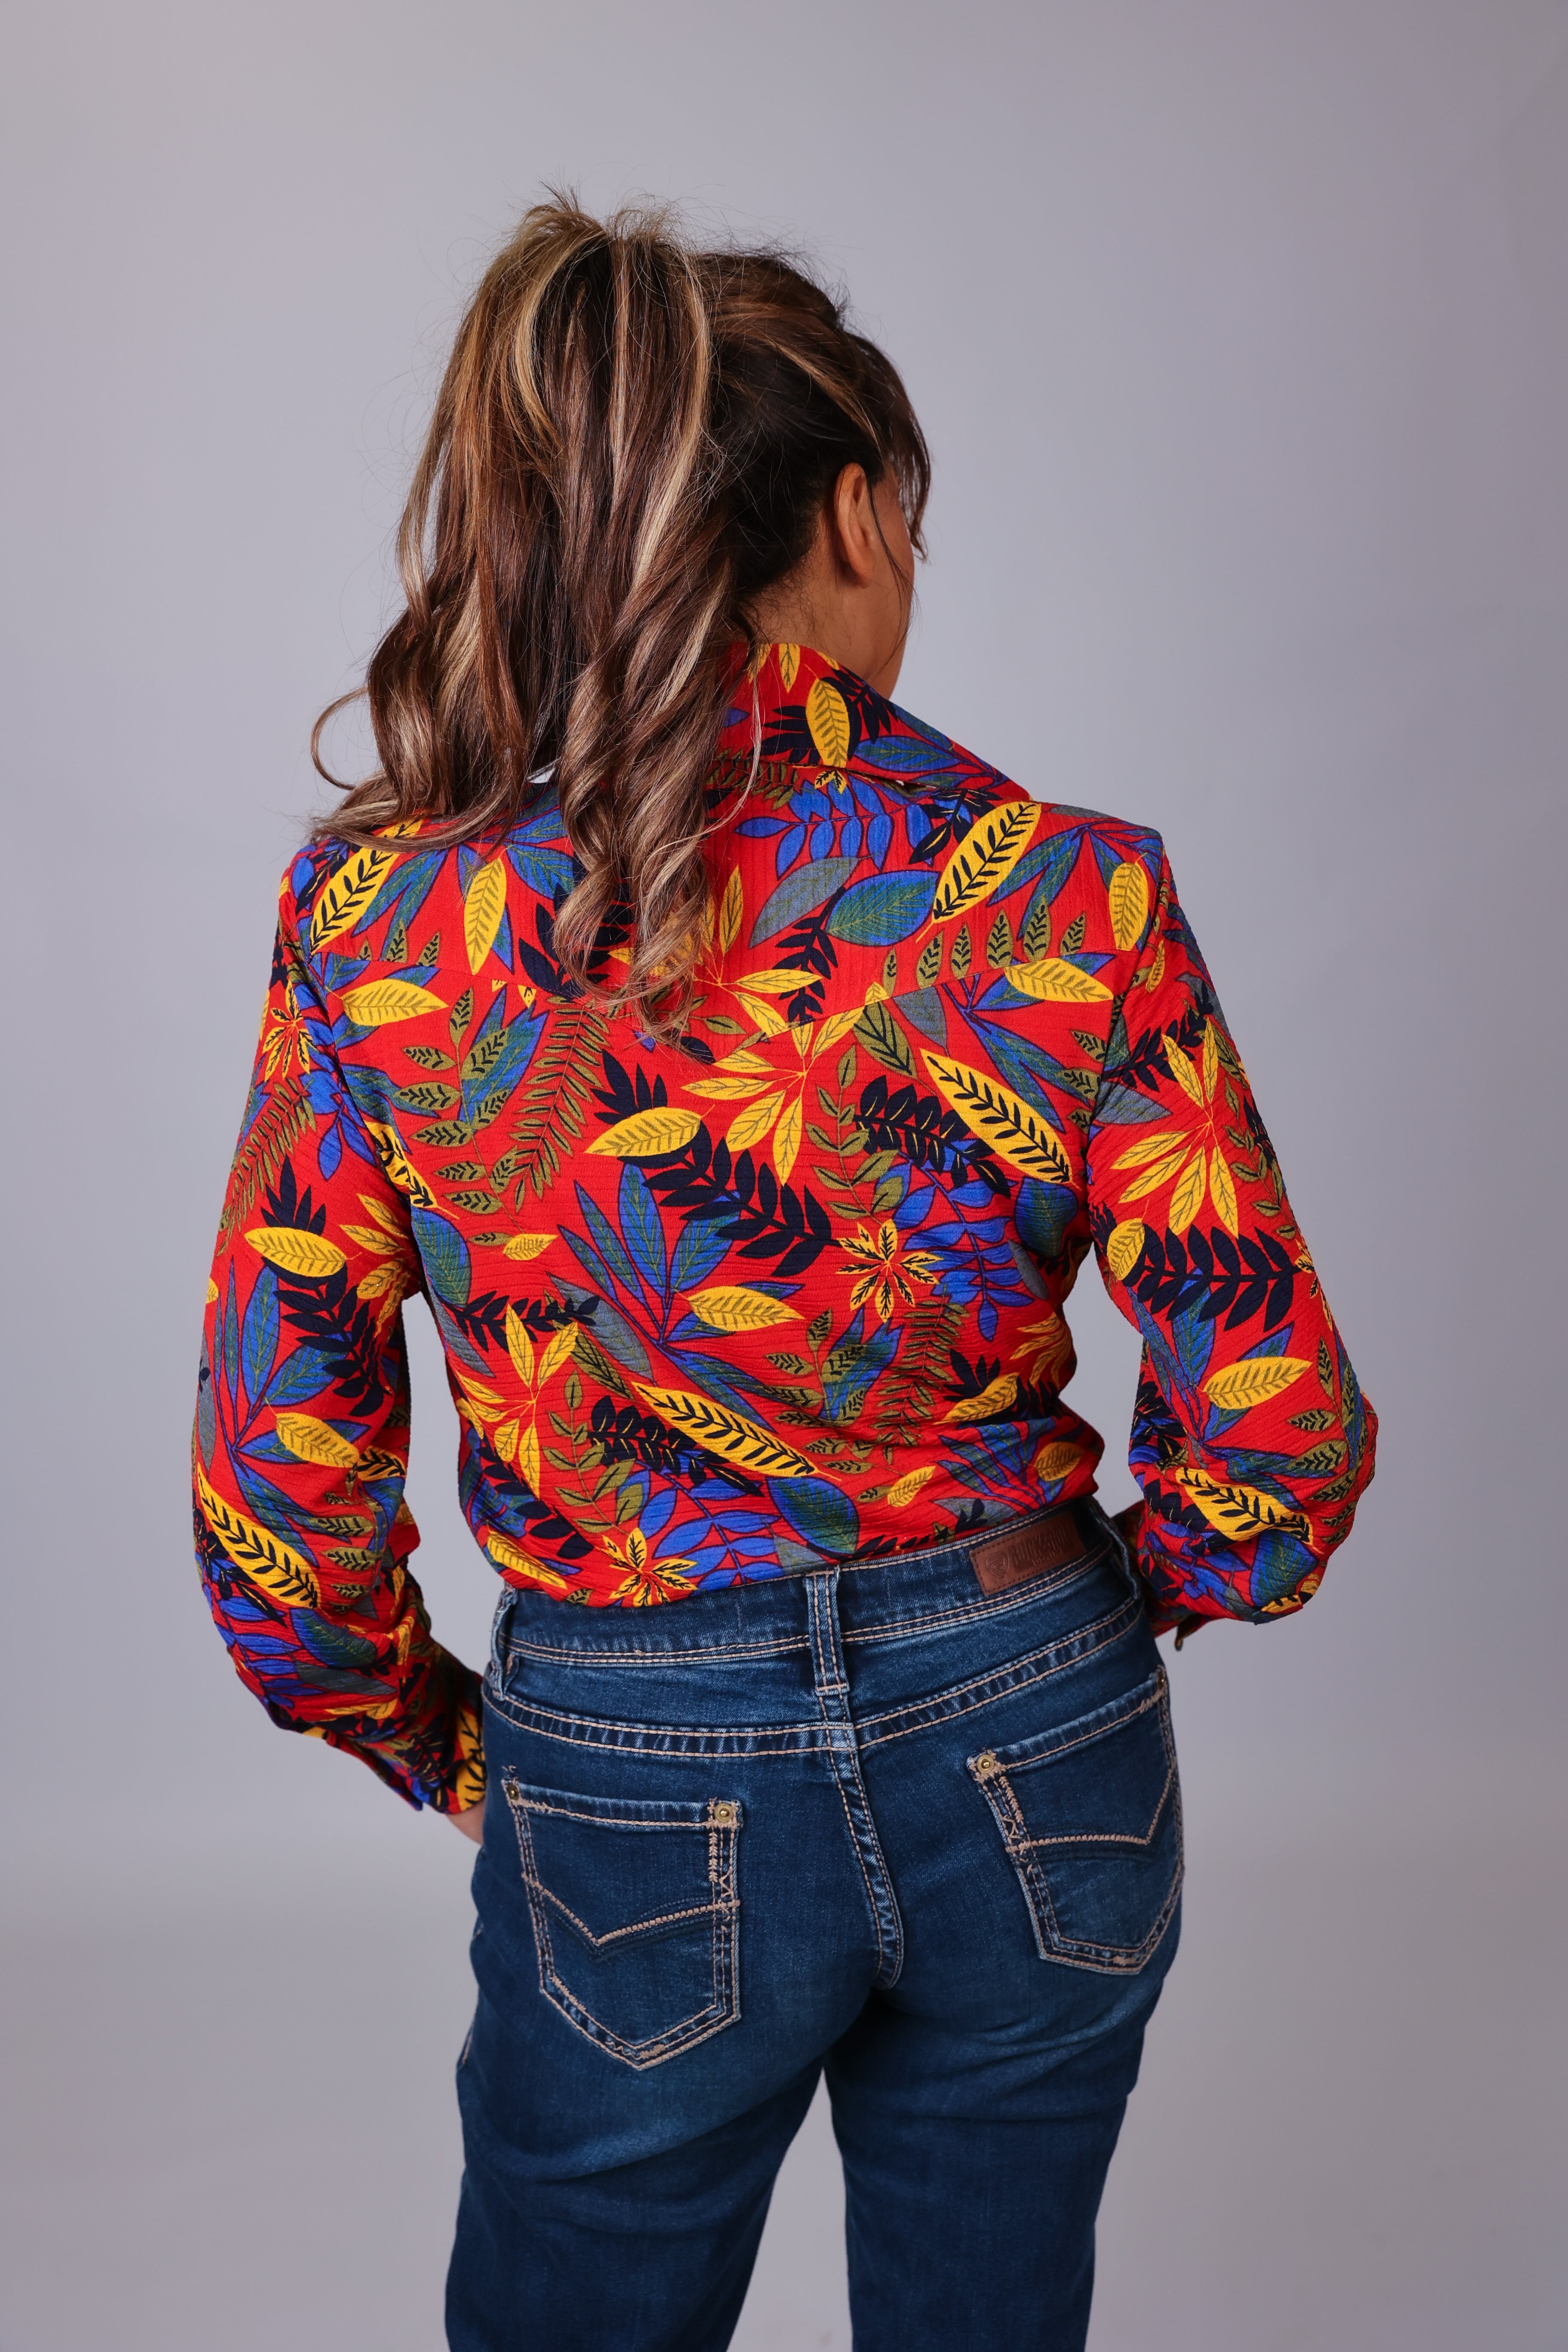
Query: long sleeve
(1251, 1440)
(301, 1434)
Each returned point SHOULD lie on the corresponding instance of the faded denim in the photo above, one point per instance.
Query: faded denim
(873, 1822)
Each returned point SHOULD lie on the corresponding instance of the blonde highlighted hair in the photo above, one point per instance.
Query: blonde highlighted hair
(633, 440)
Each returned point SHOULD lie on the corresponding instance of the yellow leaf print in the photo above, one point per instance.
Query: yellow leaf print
(754, 1122)
(468, 1782)
(1125, 1247)
(1237, 1387)
(985, 857)
(718, 1430)
(1153, 1147)
(837, 1025)
(990, 1109)
(348, 894)
(1056, 1459)
(311, 1439)
(646, 1133)
(1181, 1070)
(520, 1347)
(380, 1001)
(213, 1292)
(775, 982)
(518, 1563)
(726, 1088)
(296, 1253)
(1129, 892)
(1051, 981)
(263, 1556)
(767, 1017)
(1211, 1060)
(827, 716)
(1188, 1197)
(484, 904)
(1222, 1192)
(904, 1490)
(732, 907)
(1238, 1513)
(789, 664)
(732, 1307)
(1153, 1177)
(558, 1348)
(993, 1398)
(786, 1140)
(528, 1246)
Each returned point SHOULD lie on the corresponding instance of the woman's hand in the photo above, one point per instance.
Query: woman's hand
(472, 1822)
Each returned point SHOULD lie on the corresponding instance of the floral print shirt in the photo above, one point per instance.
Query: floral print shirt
(785, 1291)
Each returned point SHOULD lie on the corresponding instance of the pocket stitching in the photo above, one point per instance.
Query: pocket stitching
(725, 2004)
(1080, 1951)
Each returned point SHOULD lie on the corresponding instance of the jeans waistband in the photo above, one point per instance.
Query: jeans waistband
(875, 1596)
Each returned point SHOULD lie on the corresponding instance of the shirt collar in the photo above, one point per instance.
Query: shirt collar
(796, 704)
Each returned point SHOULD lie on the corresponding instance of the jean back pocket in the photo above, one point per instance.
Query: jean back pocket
(1091, 1814)
(635, 1916)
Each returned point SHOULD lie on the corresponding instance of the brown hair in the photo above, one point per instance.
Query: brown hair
(633, 439)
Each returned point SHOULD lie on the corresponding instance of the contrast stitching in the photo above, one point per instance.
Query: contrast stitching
(920, 1715)
(989, 1606)
(844, 1754)
(580, 1654)
(638, 1926)
(1050, 1940)
(724, 2007)
(753, 1738)
(1102, 1730)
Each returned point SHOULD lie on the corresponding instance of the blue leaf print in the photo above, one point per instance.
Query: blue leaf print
(700, 1248)
(641, 1228)
(883, 910)
(258, 1343)
(818, 1512)
(444, 1254)
(607, 1242)
(798, 894)
(302, 1375)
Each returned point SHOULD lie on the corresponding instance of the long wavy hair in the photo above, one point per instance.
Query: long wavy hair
(633, 440)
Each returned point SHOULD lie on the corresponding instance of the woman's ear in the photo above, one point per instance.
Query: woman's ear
(857, 542)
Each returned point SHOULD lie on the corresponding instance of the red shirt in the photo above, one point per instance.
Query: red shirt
(785, 1291)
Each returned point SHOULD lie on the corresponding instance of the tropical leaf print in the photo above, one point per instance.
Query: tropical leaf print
(827, 716)
(1051, 981)
(349, 895)
(1001, 1119)
(732, 1434)
(984, 858)
(379, 1002)
(785, 1287)
(648, 1134)
(1127, 898)
(297, 1252)
(484, 904)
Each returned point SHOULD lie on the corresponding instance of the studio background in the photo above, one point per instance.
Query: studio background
(1237, 327)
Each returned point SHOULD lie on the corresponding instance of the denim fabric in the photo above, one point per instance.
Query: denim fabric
(872, 1821)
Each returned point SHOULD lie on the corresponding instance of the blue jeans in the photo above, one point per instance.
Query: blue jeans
(875, 1822)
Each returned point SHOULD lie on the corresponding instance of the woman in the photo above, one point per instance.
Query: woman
(742, 1071)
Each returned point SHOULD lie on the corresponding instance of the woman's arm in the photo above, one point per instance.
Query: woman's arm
(1251, 1439)
(301, 1436)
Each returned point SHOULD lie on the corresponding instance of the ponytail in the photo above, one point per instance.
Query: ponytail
(633, 441)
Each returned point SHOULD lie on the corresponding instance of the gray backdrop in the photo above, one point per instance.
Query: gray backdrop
(1237, 327)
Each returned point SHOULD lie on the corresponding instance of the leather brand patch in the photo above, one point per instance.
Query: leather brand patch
(1027, 1551)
